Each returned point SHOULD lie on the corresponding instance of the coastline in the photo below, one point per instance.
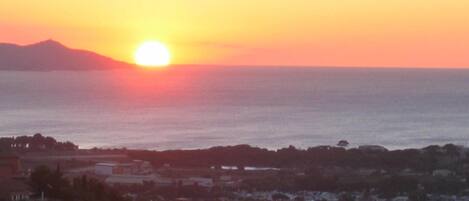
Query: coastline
(243, 170)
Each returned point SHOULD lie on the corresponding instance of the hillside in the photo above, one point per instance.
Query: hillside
(52, 55)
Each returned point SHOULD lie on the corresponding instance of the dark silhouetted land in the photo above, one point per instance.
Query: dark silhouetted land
(51, 55)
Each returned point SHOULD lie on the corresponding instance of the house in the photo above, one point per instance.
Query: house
(9, 165)
(136, 167)
(129, 179)
(196, 181)
(228, 181)
(107, 169)
(141, 167)
(400, 198)
(14, 190)
(442, 173)
(163, 181)
(328, 196)
(139, 179)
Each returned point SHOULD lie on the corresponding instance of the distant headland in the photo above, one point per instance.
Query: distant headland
(52, 55)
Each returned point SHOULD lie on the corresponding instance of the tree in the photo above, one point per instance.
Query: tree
(343, 143)
(36, 142)
(346, 197)
(40, 179)
(418, 196)
(55, 186)
(452, 150)
(51, 183)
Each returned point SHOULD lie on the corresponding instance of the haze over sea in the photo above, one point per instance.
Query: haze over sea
(198, 107)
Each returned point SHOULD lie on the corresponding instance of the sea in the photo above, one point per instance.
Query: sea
(269, 107)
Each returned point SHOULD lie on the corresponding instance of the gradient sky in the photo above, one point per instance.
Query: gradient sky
(404, 33)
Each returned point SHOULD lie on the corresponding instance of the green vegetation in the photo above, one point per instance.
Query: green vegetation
(422, 160)
(433, 169)
(54, 185)
(37, 142)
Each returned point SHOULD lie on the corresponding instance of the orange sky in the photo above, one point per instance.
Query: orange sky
(416, 33)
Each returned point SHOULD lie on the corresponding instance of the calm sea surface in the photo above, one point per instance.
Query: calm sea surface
(267, 107)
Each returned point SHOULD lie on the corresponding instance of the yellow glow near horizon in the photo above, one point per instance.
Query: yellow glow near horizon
(152, 54)
(417, 33)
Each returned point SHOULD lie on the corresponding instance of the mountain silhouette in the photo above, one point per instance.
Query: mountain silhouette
(52, 55)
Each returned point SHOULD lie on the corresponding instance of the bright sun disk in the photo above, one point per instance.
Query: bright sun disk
(152, 54)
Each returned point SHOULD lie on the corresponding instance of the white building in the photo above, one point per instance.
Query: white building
(108, 169)
(139, 179)
(104, 168)
(400, 198)
(137, 167)
(442, 173)
(196, 181)
(129, 179)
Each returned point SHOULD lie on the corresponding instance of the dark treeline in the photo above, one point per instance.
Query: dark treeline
(386, 186)
(330, 168)
(52, 184)
(426, 159)
(149, 191)
(37, 142)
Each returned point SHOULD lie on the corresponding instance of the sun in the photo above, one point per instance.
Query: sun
(152, 54)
